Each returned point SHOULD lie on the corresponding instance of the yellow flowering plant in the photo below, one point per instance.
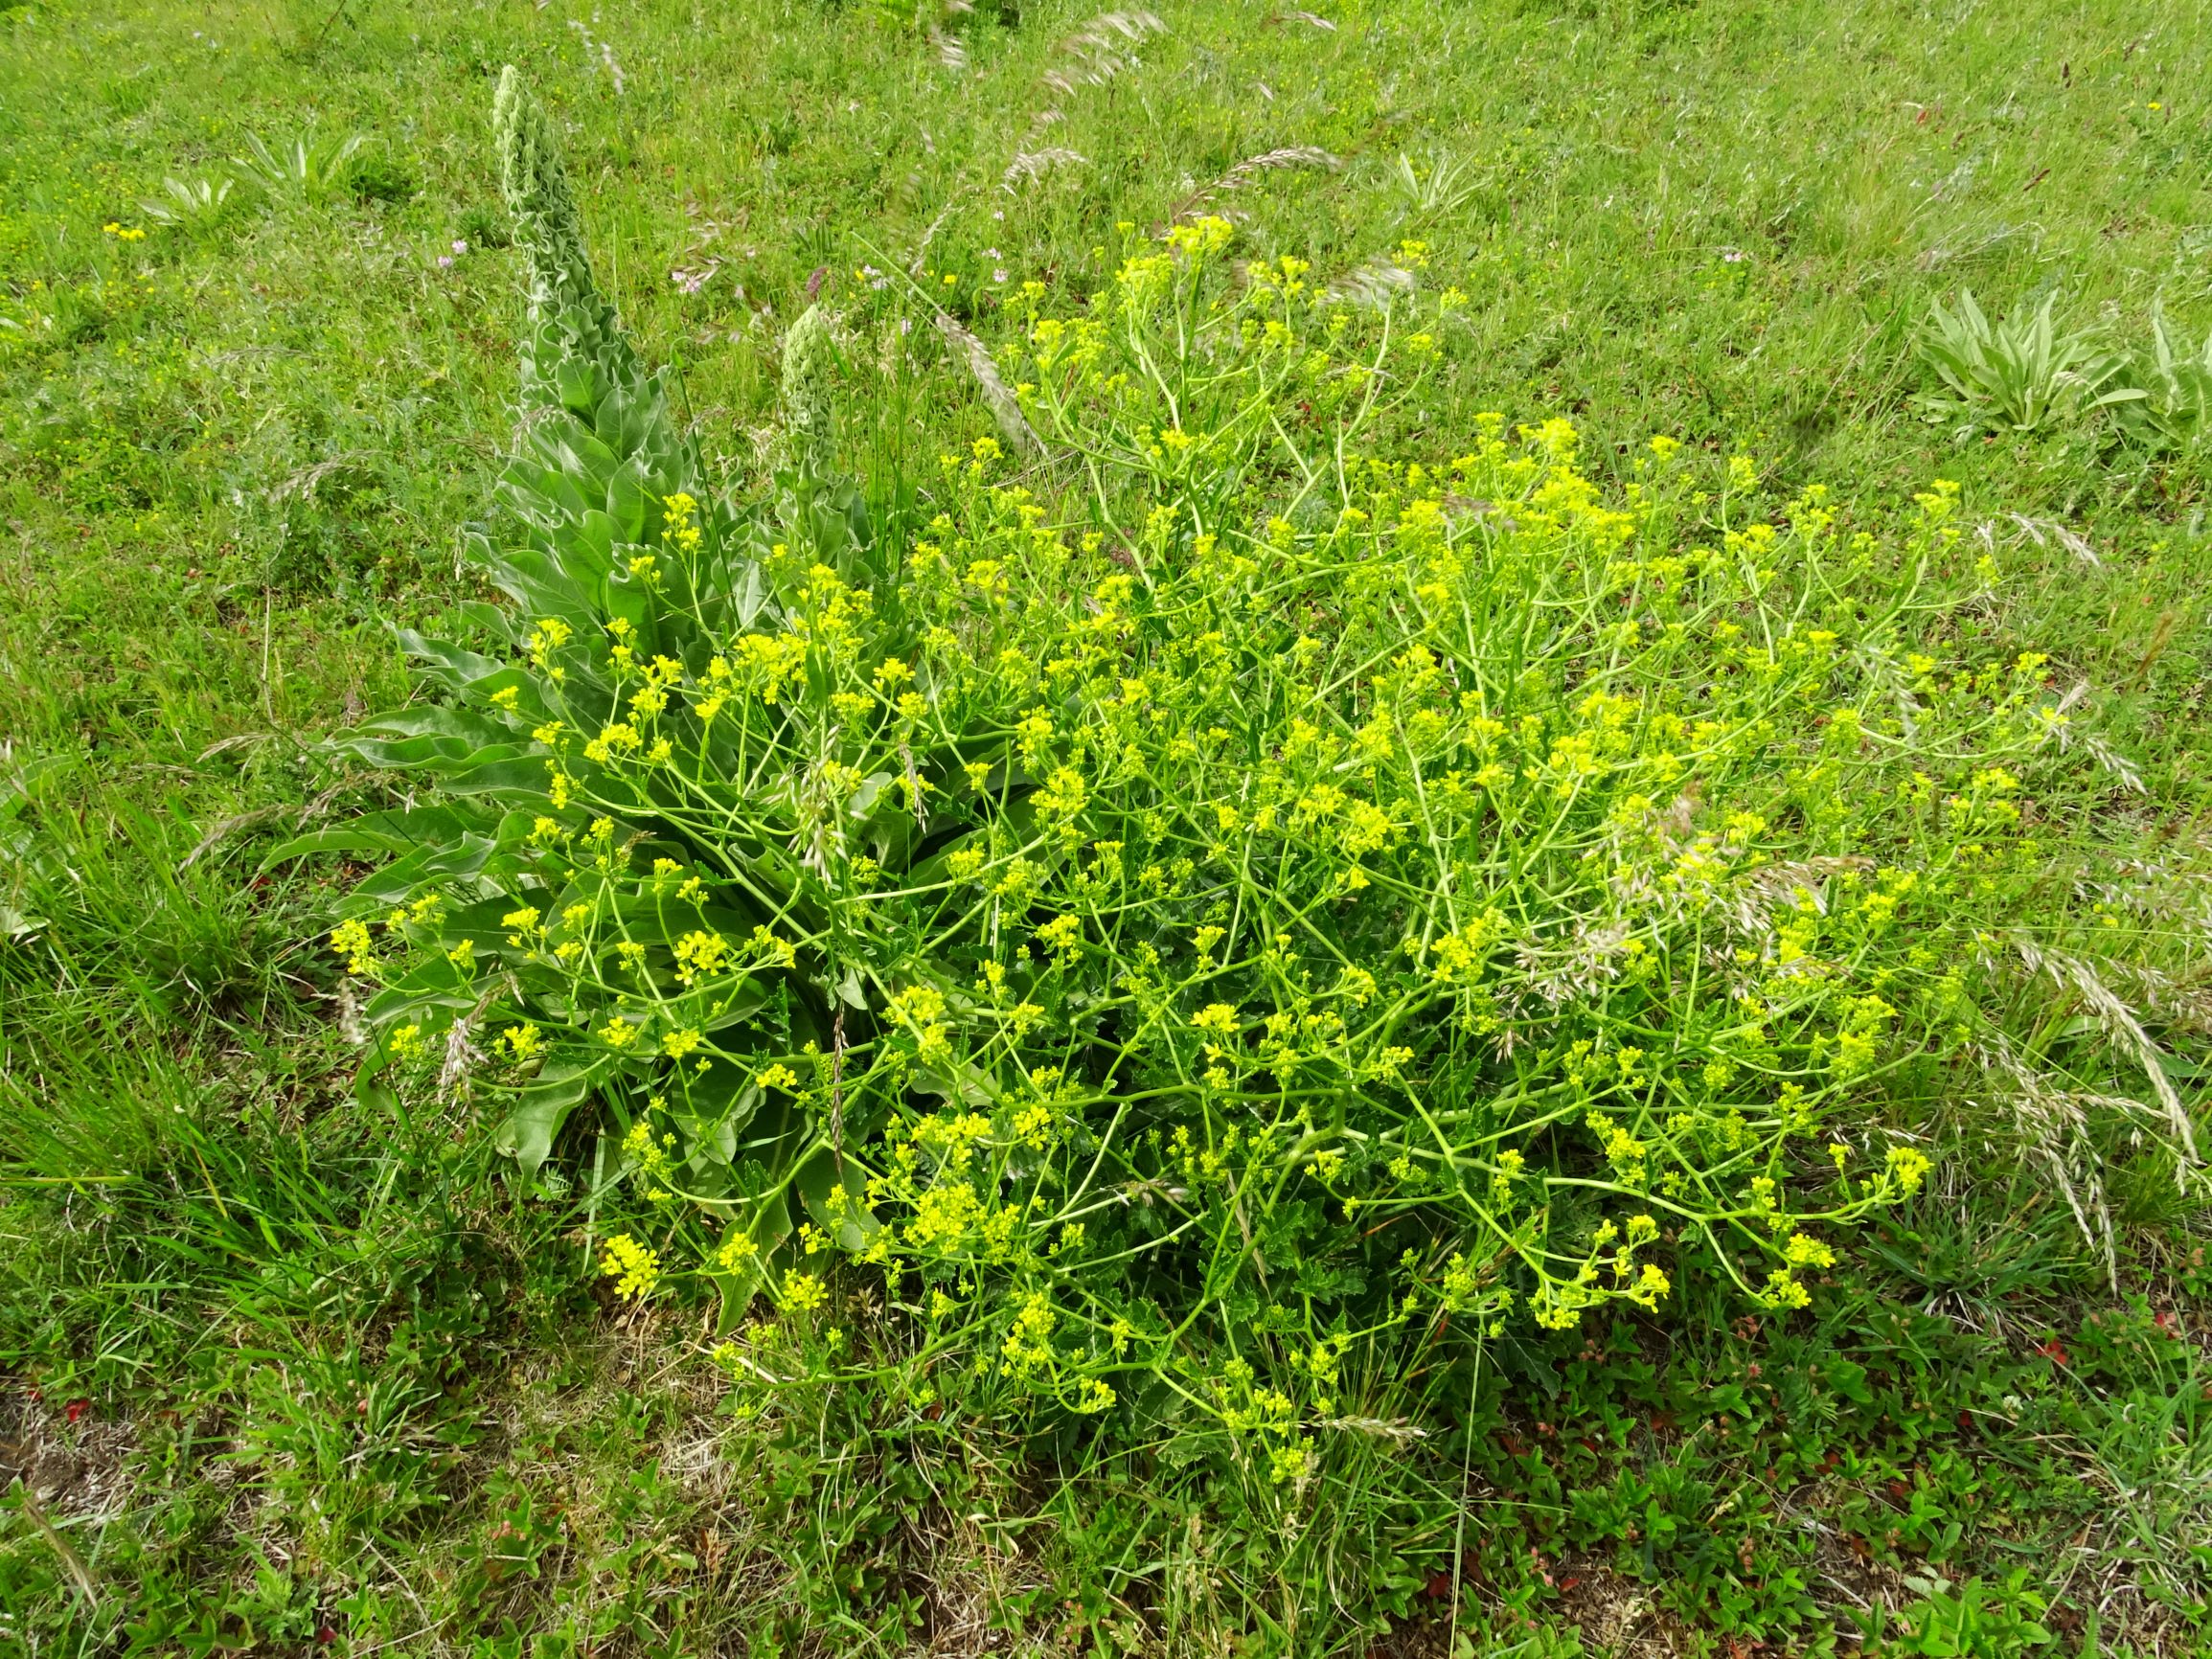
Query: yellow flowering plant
(1225, 898)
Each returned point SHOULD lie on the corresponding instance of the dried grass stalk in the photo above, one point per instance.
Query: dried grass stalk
(1375, 284)
(1029, 164)
(2057, 1125)
(952, 51)
(2038, 529)
(1101, 49)
(1012, 422)
(2121, 1025)
(1250, 168)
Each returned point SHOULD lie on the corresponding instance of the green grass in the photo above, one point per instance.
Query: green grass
(280, 1363)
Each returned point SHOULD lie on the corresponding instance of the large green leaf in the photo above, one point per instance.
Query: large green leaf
(387, 832)
(765, 1226)
(544, 1105)
(835, 1188)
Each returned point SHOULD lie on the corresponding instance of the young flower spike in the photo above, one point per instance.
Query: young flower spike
(809, 414)
(568, 319)
(535, 186)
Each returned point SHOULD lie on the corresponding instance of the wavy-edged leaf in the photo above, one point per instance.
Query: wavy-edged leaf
(543, 1105)
(395, 833)
(835, 1188)
(765, 1227)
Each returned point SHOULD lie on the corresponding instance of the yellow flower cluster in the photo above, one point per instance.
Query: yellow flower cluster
(634, 1268)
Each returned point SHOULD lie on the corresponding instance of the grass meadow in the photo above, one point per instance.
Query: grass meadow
(293, 1365)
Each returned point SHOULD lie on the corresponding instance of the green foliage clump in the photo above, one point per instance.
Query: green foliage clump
(2021, 374)
(296, 1372)
(2175, 412)
(1235, 902)
(2025, 376)
(309, 169)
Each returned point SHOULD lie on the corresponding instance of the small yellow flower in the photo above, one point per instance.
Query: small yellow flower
(1803, 1250)
(700, 954)
(801, 1293)
(351, 940)
(1217, 1019)
(634, 1268)
(1909, 1167)
(1783, 1291)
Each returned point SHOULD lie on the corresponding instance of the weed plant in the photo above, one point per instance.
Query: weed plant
(285, 1366)
(1229, 920)
(2022, 373)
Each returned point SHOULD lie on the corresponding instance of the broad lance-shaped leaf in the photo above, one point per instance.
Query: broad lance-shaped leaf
(543, 1106)
(739, 1273)
(391, 832)
(834, 1189)
(431, 862)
